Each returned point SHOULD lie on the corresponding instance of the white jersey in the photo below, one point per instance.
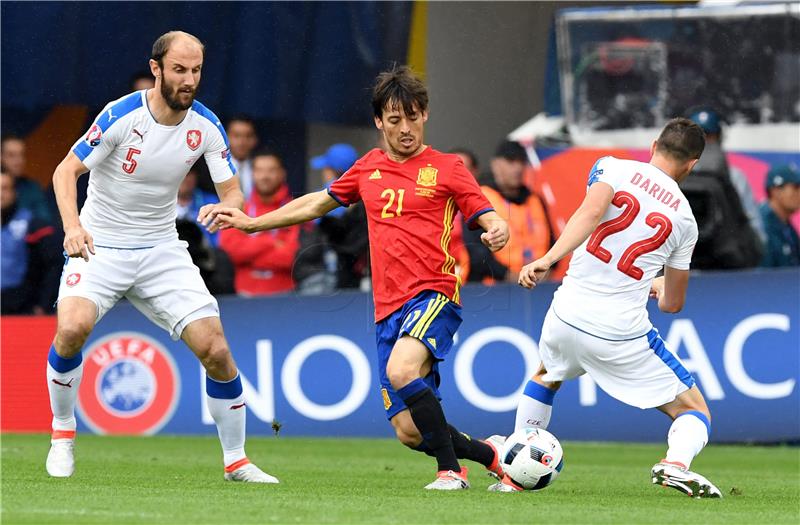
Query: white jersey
(137, 165)
(648, 225)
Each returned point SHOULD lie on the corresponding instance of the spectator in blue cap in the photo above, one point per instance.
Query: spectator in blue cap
(714, 161)
(334, 162)
(783, 200)
(334, 248)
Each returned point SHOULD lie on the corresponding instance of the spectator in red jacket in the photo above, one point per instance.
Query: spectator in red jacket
(264, 260)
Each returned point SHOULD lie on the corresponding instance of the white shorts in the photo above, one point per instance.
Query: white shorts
(161, 282)
(640, 372)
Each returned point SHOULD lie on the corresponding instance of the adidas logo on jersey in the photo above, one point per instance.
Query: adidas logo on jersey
(375, 175)
(432, 341)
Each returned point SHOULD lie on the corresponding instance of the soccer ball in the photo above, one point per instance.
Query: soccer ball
(532, 458)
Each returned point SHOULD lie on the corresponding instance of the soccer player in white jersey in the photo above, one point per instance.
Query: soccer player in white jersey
(124, 243)
(633, 222)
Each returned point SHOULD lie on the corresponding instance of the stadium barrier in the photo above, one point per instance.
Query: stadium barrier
(308, 366)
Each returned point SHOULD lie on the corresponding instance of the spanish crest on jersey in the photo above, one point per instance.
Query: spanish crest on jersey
(427, 176)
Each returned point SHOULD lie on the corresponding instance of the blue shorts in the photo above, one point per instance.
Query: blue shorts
(430, 317)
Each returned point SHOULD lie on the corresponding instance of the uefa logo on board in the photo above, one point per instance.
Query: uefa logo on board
(130, 385)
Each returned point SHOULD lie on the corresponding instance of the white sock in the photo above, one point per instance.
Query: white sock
(229, 414)
(687, 436)
(535, 407)
(63, 388)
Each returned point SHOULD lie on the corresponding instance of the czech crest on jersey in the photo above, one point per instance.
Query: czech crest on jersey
(193, 139)
(427, 176)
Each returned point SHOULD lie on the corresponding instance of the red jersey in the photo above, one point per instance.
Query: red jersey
(410, 209)
(263, 261)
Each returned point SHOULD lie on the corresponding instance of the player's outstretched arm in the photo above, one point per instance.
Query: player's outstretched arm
(302, 209)
(578, 228)
(496, 234)
(77, 241)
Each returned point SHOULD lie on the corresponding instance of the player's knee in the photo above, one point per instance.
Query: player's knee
(70, 337)
(399, 376)
(216, 354)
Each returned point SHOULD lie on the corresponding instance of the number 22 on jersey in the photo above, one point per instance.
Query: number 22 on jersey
(630, 209)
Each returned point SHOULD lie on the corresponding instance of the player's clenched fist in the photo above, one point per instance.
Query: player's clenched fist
(657, 288)
(534, 272)
(78, 242)
(496, 237)
(225, 218)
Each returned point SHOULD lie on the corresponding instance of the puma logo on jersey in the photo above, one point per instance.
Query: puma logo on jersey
(375, 175)
(111, 116)
(67, 384)
(139, 133)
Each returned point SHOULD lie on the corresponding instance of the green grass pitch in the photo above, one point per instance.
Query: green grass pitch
(179, 480)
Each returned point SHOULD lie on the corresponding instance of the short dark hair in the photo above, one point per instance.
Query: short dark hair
(398, 87)
(10, 136)
(241, 117)
(467, 153)
(511, 151)
(682, 139)
(140, 75)
(162, 43)
(266, 151)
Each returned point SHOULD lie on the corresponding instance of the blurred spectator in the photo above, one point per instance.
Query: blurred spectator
(334, 249)
(714, 161)
(191, 199)
(783, 200)
(470, 161)
(457, 246)
(142, 80)
(717, 206)
(31, 257)
(29, 192)
(264, 260)
(243, 140)
(215, 266)
(521, 208)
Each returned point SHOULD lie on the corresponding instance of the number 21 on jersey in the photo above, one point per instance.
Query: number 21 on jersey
(630, 209)
(388, 212)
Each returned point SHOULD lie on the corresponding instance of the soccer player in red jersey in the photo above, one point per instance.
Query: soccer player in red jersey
(411, 193)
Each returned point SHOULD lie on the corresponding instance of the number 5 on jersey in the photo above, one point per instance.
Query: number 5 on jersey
(130, 165)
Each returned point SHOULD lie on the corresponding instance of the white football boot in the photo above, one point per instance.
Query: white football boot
(496, 468)
(506, 485)
(449, 480)
(61, 458)
(250, 473)
(680, 478)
